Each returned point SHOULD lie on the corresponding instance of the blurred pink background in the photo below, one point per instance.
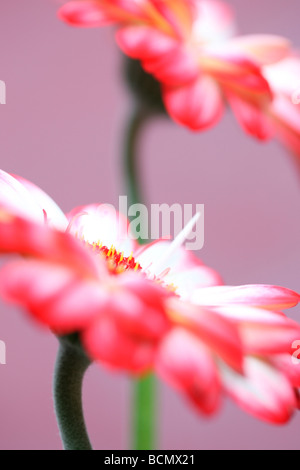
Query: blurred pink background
(61, 128)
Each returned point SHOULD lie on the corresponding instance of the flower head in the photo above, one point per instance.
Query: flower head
(190, 47)
(152, 308)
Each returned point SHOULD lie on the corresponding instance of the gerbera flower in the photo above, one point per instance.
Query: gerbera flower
(152, 308)
(190, 48)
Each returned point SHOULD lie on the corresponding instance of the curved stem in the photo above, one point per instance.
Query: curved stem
(144, 412)
(139, 117)
(70, 369)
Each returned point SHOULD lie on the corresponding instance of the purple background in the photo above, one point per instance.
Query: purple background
(61, 129)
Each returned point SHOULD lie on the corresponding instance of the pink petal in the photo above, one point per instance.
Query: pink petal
(252, 119)
(189, 280)
(177, 67)
(54, 215)
(286, 122)
(182, 268)
(292, 142)
(262, 331)
(179, 15)
(101, 223)
(137, 10)
(269, 339)
(259, 295)
(263, 49)
(106, 343)
(145, 42)
(262, 391)
(21, 236)
(184, 362)
(87, 13)
(149, 255)
(180, 260)
(197, 106)
(283, 76)
(286, 112)
(16, 199)
(283, 363)
(139, 307)
(241, 313)
(213, 21)
(218, 333)
(53, 294)
(235, 73)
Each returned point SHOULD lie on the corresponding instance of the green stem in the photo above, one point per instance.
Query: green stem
(144, 414)
(131, 165)
(144, 409)
(70, 369)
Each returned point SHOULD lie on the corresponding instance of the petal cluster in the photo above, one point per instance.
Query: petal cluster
(190, 47)
(154, 308)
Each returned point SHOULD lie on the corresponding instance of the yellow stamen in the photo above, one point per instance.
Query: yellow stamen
(136, 266)
(110, 251)
(172, 287)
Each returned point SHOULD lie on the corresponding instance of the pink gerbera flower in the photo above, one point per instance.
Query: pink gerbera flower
(152, 308)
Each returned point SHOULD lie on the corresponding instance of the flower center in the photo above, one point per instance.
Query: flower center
(116, 261)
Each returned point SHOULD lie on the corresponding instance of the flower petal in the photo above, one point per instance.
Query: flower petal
(235, 73)
(107, 343)
(269, 339)
(179, 14)
(54, 294)
(180, 260)
(187, 281)
(144, 42)
(139, 307)
(284, 76)
(21, 236)
(54, 215)
(262, 332)
(213, 22)
(175, 68)
(85, 13)
(291, 370)
(16, 199)
(197, 105)
(251, 117)
(263, 49)
(184, 362)
(286, 122)
(257, 295)
(262, 391)
(216, 332)
(182, 269)
(101, 223)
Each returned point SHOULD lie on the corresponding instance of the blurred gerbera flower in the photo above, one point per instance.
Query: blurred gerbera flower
(190, 47)
(151, 308)
(284, 111)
